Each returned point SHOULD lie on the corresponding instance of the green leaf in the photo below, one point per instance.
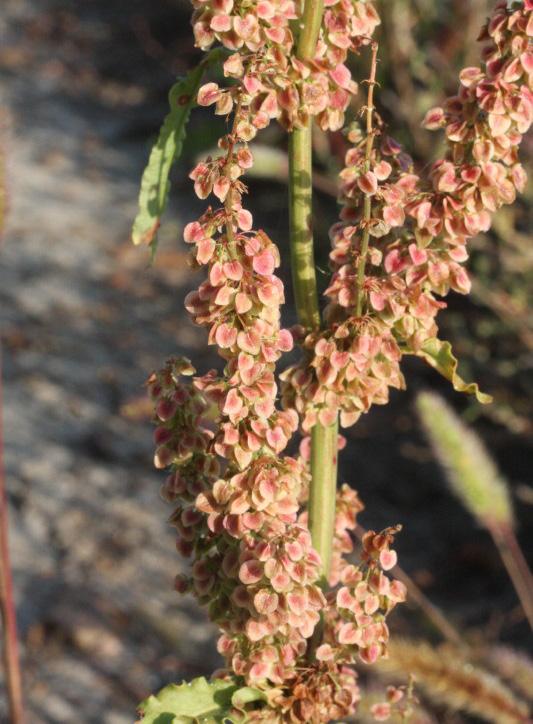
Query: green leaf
(199, 701)
(438, 354)
(247, 695)
(155, 184)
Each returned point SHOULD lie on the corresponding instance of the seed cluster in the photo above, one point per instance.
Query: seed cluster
(279, 84)
(418, 230)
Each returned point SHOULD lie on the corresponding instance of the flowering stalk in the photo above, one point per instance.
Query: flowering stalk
(323, 437)
(384, 296)
(238, 499)
(476, 481)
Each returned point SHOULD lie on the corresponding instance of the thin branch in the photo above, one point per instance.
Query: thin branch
(367, 208)
(10, 654)
(514, 561)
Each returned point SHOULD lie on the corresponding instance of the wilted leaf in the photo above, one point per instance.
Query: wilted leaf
(439, 355)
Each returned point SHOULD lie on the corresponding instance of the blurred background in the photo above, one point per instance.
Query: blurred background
(84, 319)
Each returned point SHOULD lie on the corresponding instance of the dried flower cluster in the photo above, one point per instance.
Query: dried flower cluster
(278, 84)
(384, 295)
(513, 666)
(238, 499)
(253, 564)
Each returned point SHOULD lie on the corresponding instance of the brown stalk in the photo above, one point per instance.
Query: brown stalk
(228, 203)
(367, 208)
(12, 676)
(514, 561)
(13, 679)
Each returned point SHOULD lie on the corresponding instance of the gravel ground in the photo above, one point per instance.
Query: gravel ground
(83, 321)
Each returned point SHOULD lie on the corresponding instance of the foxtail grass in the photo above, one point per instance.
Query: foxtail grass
(475, 480)
(445, 677)
(513, 666)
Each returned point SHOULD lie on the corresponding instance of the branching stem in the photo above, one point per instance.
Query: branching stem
(367, 204)
(228, 203)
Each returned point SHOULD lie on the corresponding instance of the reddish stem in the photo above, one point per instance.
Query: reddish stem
(367, 204)
(516, 565)
(7, 606)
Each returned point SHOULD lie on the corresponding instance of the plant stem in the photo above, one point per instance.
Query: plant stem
(300, 210)
(228, 203)
(301, 187)
(367, 205)
(12, 675)
(309, 29)
(323, 492)
(323, 439)
(516, 565)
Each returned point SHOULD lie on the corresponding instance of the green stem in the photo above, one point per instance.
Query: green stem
(323, 492)
(324, 439)
(300, 210)
(309, 29)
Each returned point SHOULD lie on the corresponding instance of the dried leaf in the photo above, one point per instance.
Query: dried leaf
(439, 355)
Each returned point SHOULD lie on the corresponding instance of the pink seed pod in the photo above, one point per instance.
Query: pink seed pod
(181, 584)
(163, 457)
(434, 119)
(208, 94)
(166, 409)
(368, 183)
(162, 435)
